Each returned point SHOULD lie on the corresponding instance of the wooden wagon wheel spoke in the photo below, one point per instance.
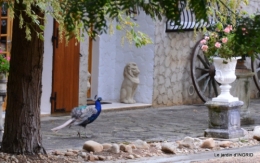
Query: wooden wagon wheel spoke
(207, 70)
(255, 65)
(206, 84)
(202, 73)
(203, 62)
(202, 77)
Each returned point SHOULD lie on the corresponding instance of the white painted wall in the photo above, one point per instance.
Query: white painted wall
(47, 68)
(106, 67)
(144, 57)
(95, 69)
(83, 70)
(111, 57)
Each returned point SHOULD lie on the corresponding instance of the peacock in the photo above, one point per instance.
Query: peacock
(82, 115)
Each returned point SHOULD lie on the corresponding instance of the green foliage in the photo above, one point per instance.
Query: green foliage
(76, 17)
(92, 16)
(247, 36)
(94, 13)
(125, 24)
(4, 64)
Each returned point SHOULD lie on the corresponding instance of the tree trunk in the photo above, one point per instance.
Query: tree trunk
(22, 134)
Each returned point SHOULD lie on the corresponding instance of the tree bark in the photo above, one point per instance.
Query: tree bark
(22, 129)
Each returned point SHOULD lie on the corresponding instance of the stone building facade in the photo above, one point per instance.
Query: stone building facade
(165, 75)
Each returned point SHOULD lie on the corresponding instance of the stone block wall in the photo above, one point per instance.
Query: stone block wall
(172, 75)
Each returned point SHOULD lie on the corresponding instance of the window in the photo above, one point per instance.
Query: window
(6, 30)
(188, 21)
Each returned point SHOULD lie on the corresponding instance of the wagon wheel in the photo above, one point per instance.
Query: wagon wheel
(202, 73)
(255, 65)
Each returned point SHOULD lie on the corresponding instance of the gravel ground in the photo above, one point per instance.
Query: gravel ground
(153, 149)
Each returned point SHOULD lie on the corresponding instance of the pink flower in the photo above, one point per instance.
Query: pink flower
(8, 58)
(230, 27)
(206, 38)
(227, 30)
(203, 41)
(243, 29)
(217, 45)
(224, 40)
(204, 48)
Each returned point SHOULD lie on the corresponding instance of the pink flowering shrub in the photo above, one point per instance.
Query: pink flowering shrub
(232, 41)
(4, 63)
(247, 36)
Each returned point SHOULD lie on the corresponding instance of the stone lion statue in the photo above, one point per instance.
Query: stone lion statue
(130, 83)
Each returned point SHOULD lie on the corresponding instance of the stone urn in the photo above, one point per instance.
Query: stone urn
(225, 75)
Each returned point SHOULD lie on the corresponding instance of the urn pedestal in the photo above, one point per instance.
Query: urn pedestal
(3, 83)
(224, 120)
(242, 89)
(1, 116)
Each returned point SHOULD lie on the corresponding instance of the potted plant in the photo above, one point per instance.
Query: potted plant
(4, 69)
(218, 45)
(224, 45)
(4, 64)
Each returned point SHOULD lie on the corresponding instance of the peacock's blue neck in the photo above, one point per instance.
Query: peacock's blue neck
(98, 105)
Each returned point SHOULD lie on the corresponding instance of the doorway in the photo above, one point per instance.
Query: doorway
(65, 75)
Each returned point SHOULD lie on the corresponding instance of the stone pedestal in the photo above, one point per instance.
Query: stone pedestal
(224, 120)
(242, 90)
(1, 118)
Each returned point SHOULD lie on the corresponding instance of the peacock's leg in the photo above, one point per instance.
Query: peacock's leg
(79, 133)
(86, 134)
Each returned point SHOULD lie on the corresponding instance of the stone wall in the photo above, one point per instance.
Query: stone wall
(172, 75)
